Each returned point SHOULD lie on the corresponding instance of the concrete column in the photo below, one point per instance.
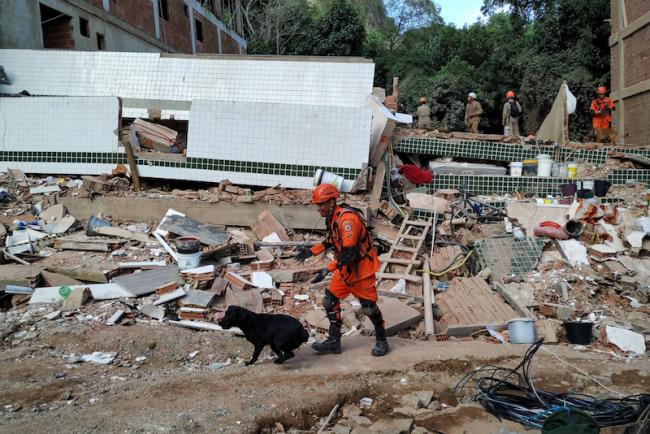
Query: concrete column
(156, 18)
(190, 14)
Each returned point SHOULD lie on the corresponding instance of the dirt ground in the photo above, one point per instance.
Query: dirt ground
(169, 391)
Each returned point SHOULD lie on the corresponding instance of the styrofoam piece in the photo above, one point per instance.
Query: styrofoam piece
(201, 325)
(575, 251)
(626, 340)
(165, 298)
(115, 317)
(142, 264)
(46, 188)
(262, 280)
(101, 291)
(199, 270)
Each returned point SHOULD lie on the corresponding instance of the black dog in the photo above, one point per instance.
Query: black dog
(282, 332)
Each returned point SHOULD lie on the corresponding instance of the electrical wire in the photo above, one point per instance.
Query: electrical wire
(451, 267)
(510, 394)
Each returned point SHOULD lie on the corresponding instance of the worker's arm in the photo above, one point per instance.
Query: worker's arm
(349, 228)
(504, 115)
(593, 108)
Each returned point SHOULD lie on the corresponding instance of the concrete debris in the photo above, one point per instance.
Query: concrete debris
(626, 340)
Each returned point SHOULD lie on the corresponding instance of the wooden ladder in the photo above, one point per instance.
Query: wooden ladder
(409, 239)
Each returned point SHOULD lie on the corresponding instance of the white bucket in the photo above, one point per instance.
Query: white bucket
(324, 177)
(586, 185)
(188, 260)
(544, 166)
(507, 130)
(521, 331)
(516, 168)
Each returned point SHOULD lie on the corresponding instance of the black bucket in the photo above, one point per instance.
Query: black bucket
(585, 194)
(187, 245)
(578, 332)
(573, 228)
(568, 189)
(601, 187)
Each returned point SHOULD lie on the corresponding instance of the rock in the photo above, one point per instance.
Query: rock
(354, 421)
(349, 410)
(435, 405)
(340, 429)
(392, 426)
(66, 396)
(420, 430)
(419, 399)
(416, 413)
(361, 430)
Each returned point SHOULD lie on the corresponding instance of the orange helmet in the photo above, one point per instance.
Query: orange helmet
(323, 193)
(510, 94)
(602, 90)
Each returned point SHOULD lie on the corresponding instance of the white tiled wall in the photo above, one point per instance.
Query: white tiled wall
(280, 133)
(59, 124)
(185, 78)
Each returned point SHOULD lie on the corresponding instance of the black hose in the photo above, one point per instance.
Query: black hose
(510, 394)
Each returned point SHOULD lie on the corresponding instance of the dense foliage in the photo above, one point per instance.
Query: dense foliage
(529, 46)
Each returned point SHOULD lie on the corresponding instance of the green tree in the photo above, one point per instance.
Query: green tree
(340, 32)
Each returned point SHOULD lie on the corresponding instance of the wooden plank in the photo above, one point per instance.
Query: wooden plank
(132, 166)
(377, 187)
(401, 261)
(413, 237)
(397, 276)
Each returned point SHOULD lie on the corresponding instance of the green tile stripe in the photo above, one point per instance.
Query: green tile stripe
(505, 152)
(491, 184)
(189, 163)
(623, 176)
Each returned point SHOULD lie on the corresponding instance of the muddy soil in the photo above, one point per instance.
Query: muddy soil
(158, 384)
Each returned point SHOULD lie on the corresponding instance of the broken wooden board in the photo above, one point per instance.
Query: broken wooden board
(185, 226)
(377, 187)
(470, 305)
(146, 282)
(267, 224)
(19, 275)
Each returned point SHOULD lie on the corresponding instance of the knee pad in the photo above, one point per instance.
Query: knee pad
(332, 306)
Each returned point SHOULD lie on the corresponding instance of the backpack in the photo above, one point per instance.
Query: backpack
(514, 110)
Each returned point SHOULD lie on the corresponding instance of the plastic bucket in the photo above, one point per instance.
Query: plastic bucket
(521, 331)
(186, 261)
(529, 168)
(578, 332)
(507, 130)
(516, 168)
(572, 171)
(601, 187)
(573, 228)
(544, 167)
(96, 222)
(568, 189)
(585, 194)
(188, 253)
(586, 185)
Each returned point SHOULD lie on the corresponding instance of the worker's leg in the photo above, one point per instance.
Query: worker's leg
(366, 291)
(332, 305)
(514, 125)
(473, 124)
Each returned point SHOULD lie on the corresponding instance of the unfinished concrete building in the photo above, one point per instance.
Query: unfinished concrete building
(630, 48)
(171, 26)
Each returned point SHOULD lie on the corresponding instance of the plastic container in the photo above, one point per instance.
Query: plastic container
(578, 332)
(529, 168)
(585, 194)
(507, 130)
(324, 177)
(96, 222)
(586, 185)
(573, 228)
(516, 168)
(568, 189)
(572, 171)
(521, 331)
(188, 253)
(544, 166)
(601, 187)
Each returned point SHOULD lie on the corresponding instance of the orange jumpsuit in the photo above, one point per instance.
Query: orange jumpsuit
(602, 111)
(347, 233)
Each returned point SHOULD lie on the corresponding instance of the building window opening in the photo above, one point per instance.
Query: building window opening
(84, 27)
(101, 42)
(199, 30)
(56, 27)
(163, 9)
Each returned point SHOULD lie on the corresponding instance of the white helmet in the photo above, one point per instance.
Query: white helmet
(472, 94)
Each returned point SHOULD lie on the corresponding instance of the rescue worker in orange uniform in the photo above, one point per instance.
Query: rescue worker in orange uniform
(353, 268)
(601, 109)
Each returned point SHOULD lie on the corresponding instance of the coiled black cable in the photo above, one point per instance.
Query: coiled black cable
(510, 394)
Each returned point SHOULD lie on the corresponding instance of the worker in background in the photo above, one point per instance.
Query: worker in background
(511, 115)
(601, 110)
(473, 112)
(424, 114)
(353, 268)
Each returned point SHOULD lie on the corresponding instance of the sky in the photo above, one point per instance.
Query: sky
(460, 12)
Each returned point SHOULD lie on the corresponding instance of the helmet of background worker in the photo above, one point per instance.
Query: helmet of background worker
(423, 100)
(602, 90)
(323, 193)
(510, 94)
(471, 95)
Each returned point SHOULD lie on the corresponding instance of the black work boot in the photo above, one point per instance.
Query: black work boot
(381, 345)
(333, 342)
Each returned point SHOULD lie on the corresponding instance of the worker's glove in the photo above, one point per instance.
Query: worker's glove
(320, 275)
(304, 253)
